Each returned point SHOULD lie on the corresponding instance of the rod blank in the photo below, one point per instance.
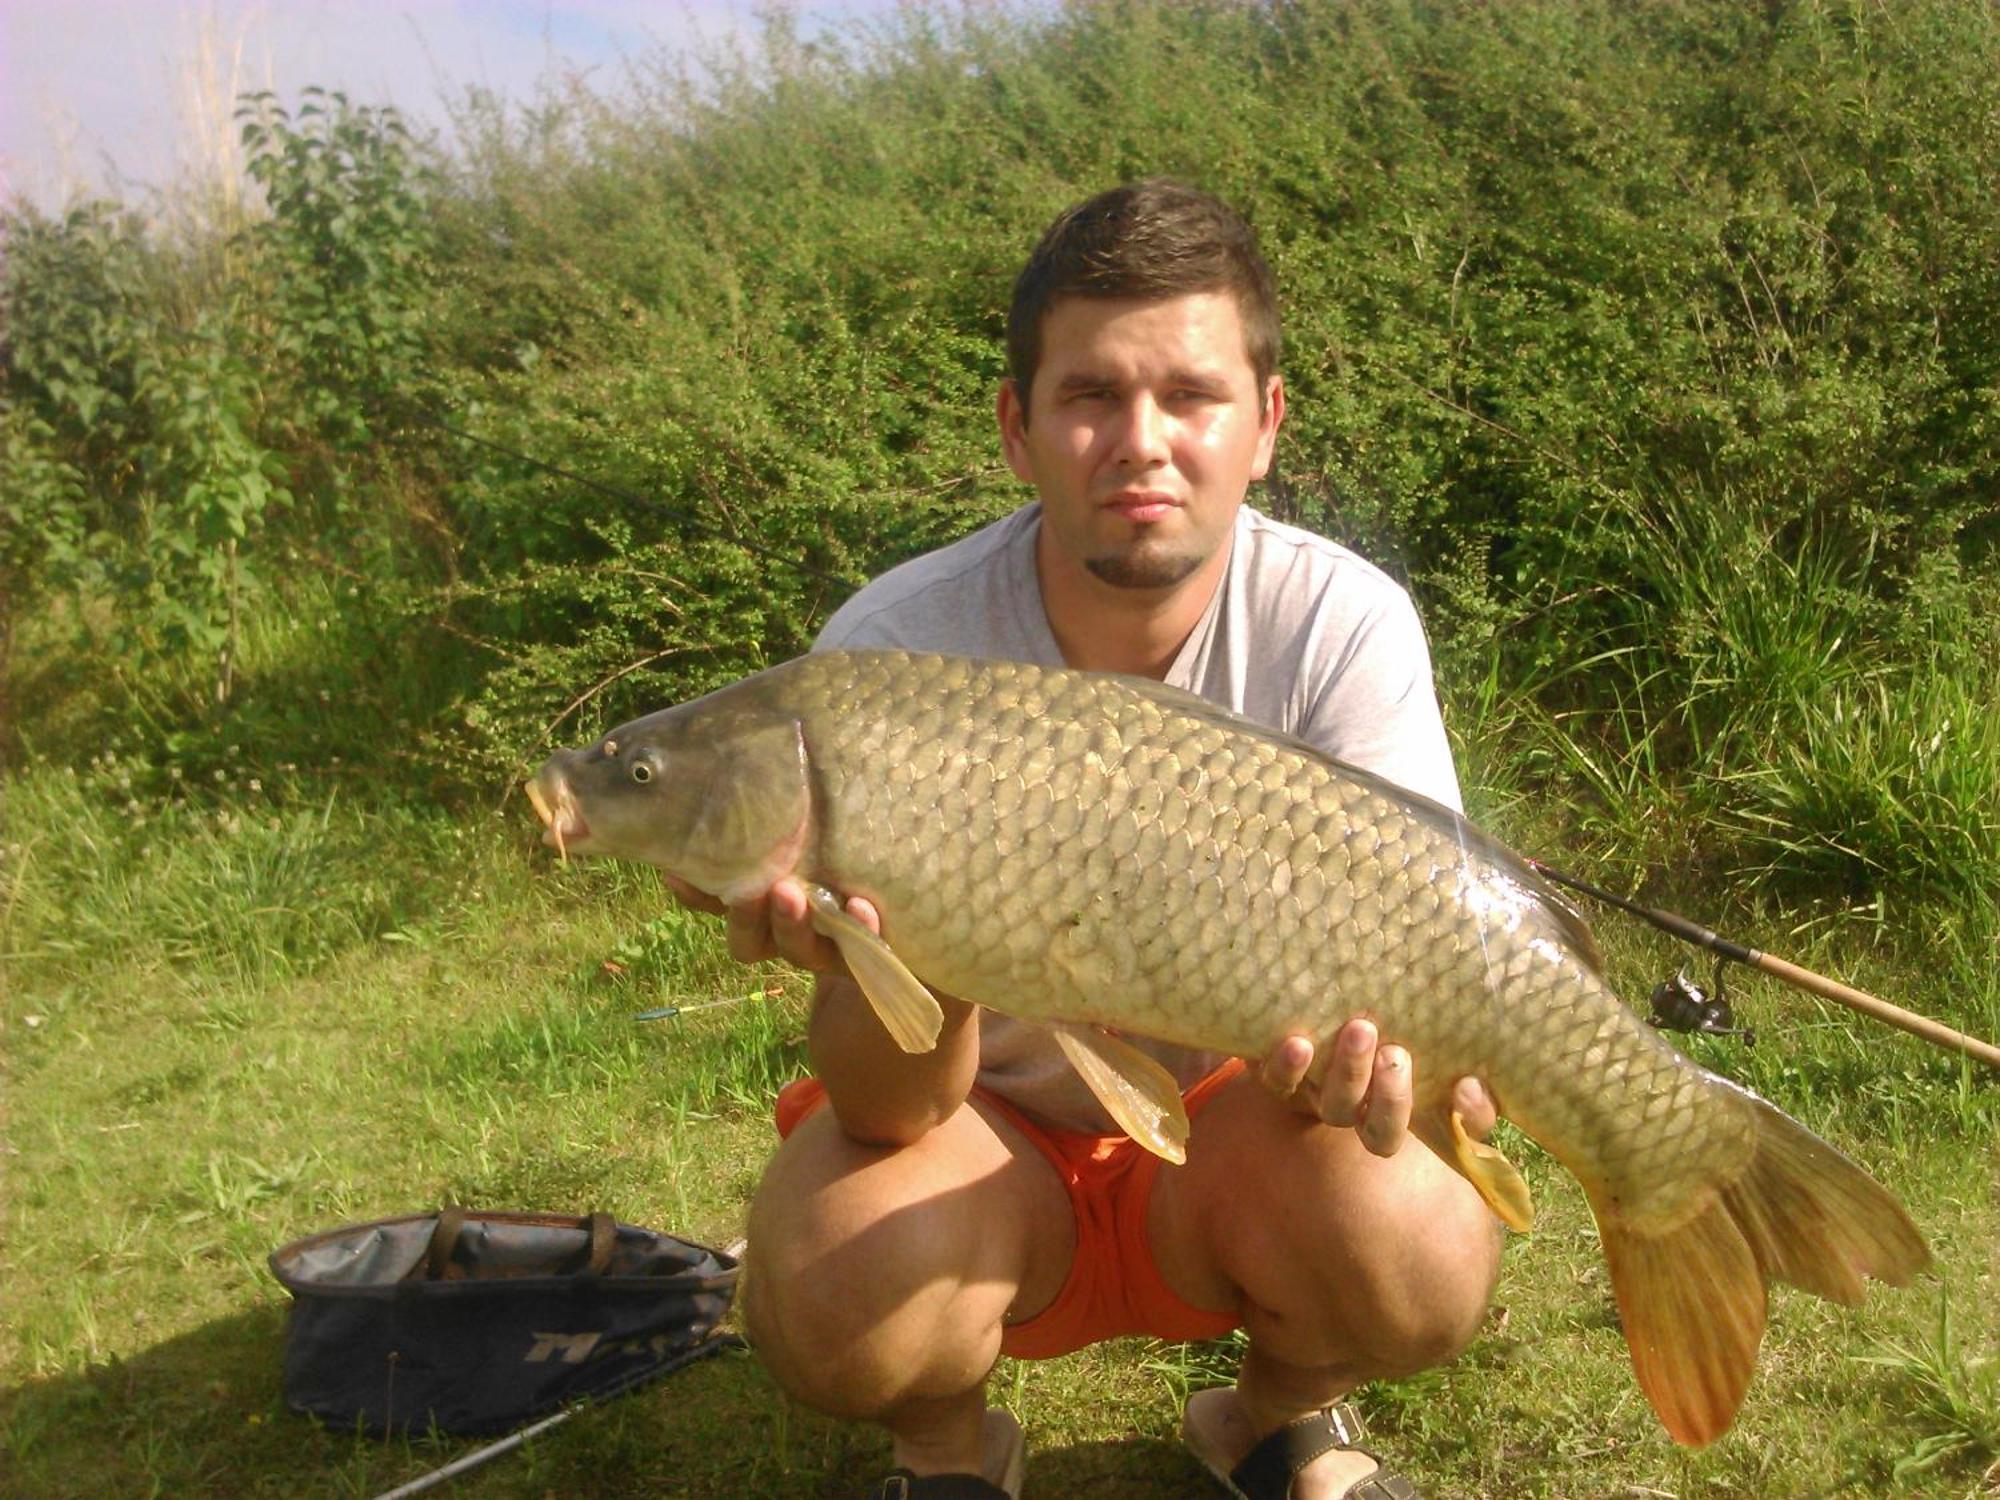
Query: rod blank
(1934, 1032)
(1906, 1020)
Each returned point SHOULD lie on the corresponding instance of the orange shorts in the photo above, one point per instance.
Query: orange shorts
(1114, 1288)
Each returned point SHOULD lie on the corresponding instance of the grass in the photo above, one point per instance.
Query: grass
(1960, 1395)
(230, 1023)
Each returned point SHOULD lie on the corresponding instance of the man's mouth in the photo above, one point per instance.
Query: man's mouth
(562, 824)
(1142, 505)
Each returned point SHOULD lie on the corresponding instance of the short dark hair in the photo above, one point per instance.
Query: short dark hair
(1155, 238)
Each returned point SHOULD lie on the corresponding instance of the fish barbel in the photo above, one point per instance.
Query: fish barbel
(1109, 855)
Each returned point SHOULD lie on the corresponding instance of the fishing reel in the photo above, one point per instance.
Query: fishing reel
(1679, 1004)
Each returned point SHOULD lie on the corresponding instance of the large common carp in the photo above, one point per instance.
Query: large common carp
(1106, 854)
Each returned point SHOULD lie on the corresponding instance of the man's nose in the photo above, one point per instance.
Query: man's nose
(1142, 435)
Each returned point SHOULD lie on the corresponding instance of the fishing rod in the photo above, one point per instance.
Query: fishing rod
(1935, 1032)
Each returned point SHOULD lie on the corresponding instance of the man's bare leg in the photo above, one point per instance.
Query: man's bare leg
(880, 1278)
(1349, 1266)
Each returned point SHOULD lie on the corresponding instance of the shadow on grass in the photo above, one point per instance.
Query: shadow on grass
(201, 1414)
(1132, 1468)
(197, 1414)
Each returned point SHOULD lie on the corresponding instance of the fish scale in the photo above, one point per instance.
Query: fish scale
(1265, 964)
(1107, 855)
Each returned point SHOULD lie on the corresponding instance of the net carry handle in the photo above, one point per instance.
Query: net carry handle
(451, 1224)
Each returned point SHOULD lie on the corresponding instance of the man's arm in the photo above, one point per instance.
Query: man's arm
(882, 1095)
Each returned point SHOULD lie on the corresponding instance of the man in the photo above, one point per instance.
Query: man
(954, 1205)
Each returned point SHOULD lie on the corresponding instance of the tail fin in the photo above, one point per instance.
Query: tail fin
(1692, 1298)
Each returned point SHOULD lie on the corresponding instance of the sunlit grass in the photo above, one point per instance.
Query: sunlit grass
(1958, 1394)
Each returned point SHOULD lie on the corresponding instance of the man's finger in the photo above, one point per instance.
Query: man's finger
(1285, 1068)
(792, 932)
(778, 924)
(1475, 1105)
(1348, 1074)
(1386, 1119)
(748, 925)
(798, 941)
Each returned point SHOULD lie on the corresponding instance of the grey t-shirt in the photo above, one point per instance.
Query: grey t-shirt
(1302, 635)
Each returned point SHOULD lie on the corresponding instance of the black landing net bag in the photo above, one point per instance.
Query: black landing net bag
(472, 1323)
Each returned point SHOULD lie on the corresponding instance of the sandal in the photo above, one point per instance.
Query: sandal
(1006, 1455)
(1266, 1472)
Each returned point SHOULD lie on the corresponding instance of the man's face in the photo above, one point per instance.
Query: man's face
(1145, 428)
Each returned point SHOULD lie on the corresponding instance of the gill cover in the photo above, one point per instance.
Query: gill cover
(751, 814)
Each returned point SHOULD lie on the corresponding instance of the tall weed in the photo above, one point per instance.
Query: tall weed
(1817, 735)
(238, 879)
(343, 256)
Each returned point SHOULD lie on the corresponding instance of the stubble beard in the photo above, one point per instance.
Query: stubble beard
(1144, 567)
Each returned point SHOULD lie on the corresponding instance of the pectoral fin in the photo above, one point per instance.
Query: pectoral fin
(1492, 1176)
(1135, 1091)
(907, 1010)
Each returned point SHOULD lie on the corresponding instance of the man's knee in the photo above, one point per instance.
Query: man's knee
(1430, 1300)
(868, 1281)
(1351, 1259)
(1420, 1271)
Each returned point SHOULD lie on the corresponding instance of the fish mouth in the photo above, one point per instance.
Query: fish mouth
(562, 824)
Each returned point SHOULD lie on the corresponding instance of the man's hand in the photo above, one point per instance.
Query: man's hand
(777, 925)
(1371, 1088)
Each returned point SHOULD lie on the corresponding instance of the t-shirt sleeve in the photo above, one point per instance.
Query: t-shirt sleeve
(1376, 706)
(974, 598)
(857, 632)
(897, 612)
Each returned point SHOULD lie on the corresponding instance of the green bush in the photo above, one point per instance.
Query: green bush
(134, 475)
(344, 258)
(1655, 346)
(158, 415)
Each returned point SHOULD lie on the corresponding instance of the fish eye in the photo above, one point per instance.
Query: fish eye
(641, 772)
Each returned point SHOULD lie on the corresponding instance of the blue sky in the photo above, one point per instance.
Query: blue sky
(95, 92)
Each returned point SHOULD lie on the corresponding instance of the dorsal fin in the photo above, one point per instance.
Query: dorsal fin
(1454, 825)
